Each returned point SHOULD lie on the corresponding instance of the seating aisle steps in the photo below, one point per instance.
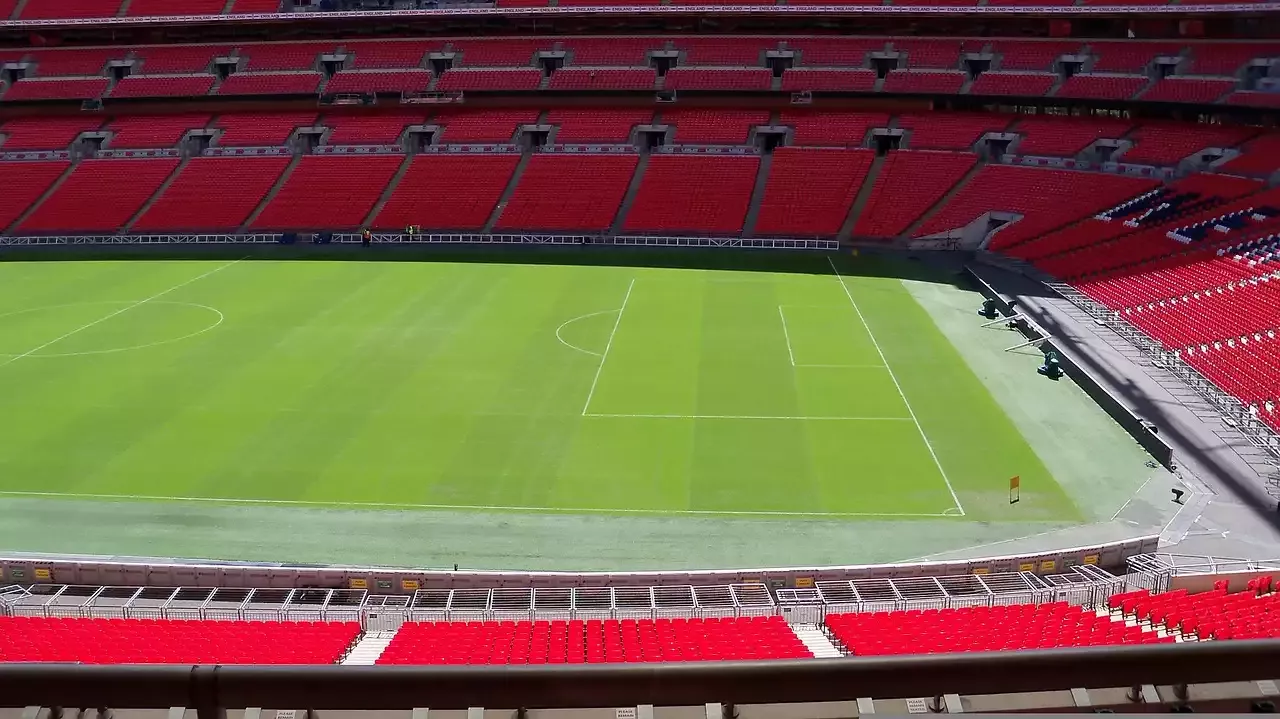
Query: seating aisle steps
(816, 641)
(368, 649)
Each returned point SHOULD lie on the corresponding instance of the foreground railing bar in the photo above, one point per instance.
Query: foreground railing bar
(211, 689)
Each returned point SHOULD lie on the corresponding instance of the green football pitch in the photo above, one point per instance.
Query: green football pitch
(824, 391)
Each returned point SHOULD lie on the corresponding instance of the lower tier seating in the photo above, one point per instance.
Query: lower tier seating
(24, 183)
(693, 193)
(982, 629)
(212, 193)
(569, 193)
(329, 192)
(594, 641)
(810, 191)
(56, 88)
(1217, 614)
(909, 183)
(168, 641)
(100, 195)
(448, 192)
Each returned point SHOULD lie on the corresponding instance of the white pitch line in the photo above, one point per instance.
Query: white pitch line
(605, 357)
(787, 336)
(483, 507)
(120, 311)
(844, 366)
(748, 416)
(1132, 497)
(896, 384)
(575, 319)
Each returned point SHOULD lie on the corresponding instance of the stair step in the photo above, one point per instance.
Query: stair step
(369, 648)
(812, 636)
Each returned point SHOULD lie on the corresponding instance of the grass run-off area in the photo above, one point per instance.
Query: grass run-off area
(821, 392)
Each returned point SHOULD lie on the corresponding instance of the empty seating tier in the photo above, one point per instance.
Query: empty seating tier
(24, 183)
(1032, 55)
(1030, 84)
(285, 55)
(163, 86)
(810, 191)
(57, 88)
(909, 183)
(329, 192)
(604, 78)
(271, 83)
(448, 192)
(212, 193)
(147, 8)
(468, 79)
(949, 131)
(390, 53)
(1189, 89)
(100, 195)
(368, 129)
(397, 81)
(596, 125)
(483, 126)
(713, 127)
(594, 641)
(831, 80)
(52, 133)
(1171, 144)
(982, 629)
(85, 62)
(569, 193)
(693, 78)
(260, 130)
(150, 131)
(1064, 137)
(1102, 87)
(924, 81)
(693, 193)
(160, 60)
(832, 129)
(58, 9)
(167, 641)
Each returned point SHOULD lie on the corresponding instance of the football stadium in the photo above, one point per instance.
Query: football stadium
(616, 359)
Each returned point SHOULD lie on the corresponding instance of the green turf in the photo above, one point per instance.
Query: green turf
(509, 387)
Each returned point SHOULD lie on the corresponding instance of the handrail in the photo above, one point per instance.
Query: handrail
(213, 689)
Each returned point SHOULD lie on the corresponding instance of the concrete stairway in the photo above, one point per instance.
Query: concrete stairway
(632, 190)
(368, 649)
(271, 194)
(816, 640)
(757, 195)
(164, 187)
(942, 202)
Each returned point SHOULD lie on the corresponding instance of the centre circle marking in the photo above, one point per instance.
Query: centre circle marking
(114, 350)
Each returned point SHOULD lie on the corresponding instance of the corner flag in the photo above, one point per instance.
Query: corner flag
(1015, 487)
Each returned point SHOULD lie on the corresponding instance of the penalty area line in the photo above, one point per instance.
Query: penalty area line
(475, 507)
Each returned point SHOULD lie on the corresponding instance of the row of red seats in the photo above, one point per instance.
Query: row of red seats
(975, 629)
(594, 641)
(130, 641)
(88, 9)
(1226, 312)
(1247, 368)
(1217, 614)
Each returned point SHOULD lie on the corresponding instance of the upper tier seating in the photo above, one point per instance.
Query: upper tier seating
(934, 54)
(506, 52)
(1254, 99)
(569, 193)
(1167, 144)
(255, 6)
(100, 195)
(397, 81)
(24, 183)
(212, 193)
(1227, 58)
(832, 129)
(743, 52)
(163, 86)
(313, 198)
(146, 8)
(1031, 84)
(810, 191)
(148, 131)
(163, 59)
(1259, 157)
(368, 129)
(58, 88)
(693, 193)
(594, 641)
(909, 183)
(1188, 89)
(57, 9)
(605, 78)
(272, 83)
(1037, 55)
(925, 81)
(1102, 87)
(949, 131)
(471, 79)
(831, 80)
(1046, 199)
(45, 133)
(982, 629)
(625, 51)
(694, 78)
(75, 62)
(260, 129)
(483, 126)
(1064, 137)
(387, 54)
(448, 192)
(285, 55)
(169, 641)
(1124, 56)
(713, 127)
(835, 52)
(608, 126)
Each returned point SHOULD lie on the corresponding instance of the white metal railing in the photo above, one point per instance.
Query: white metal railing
(171, 239)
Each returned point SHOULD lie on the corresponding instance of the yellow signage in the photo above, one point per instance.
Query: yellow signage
(981, 570)
(1027, 567)
(1090, 559)
(359, 583)
(804, 582)
(409, 585)
(1048, 565)
(43, 575)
